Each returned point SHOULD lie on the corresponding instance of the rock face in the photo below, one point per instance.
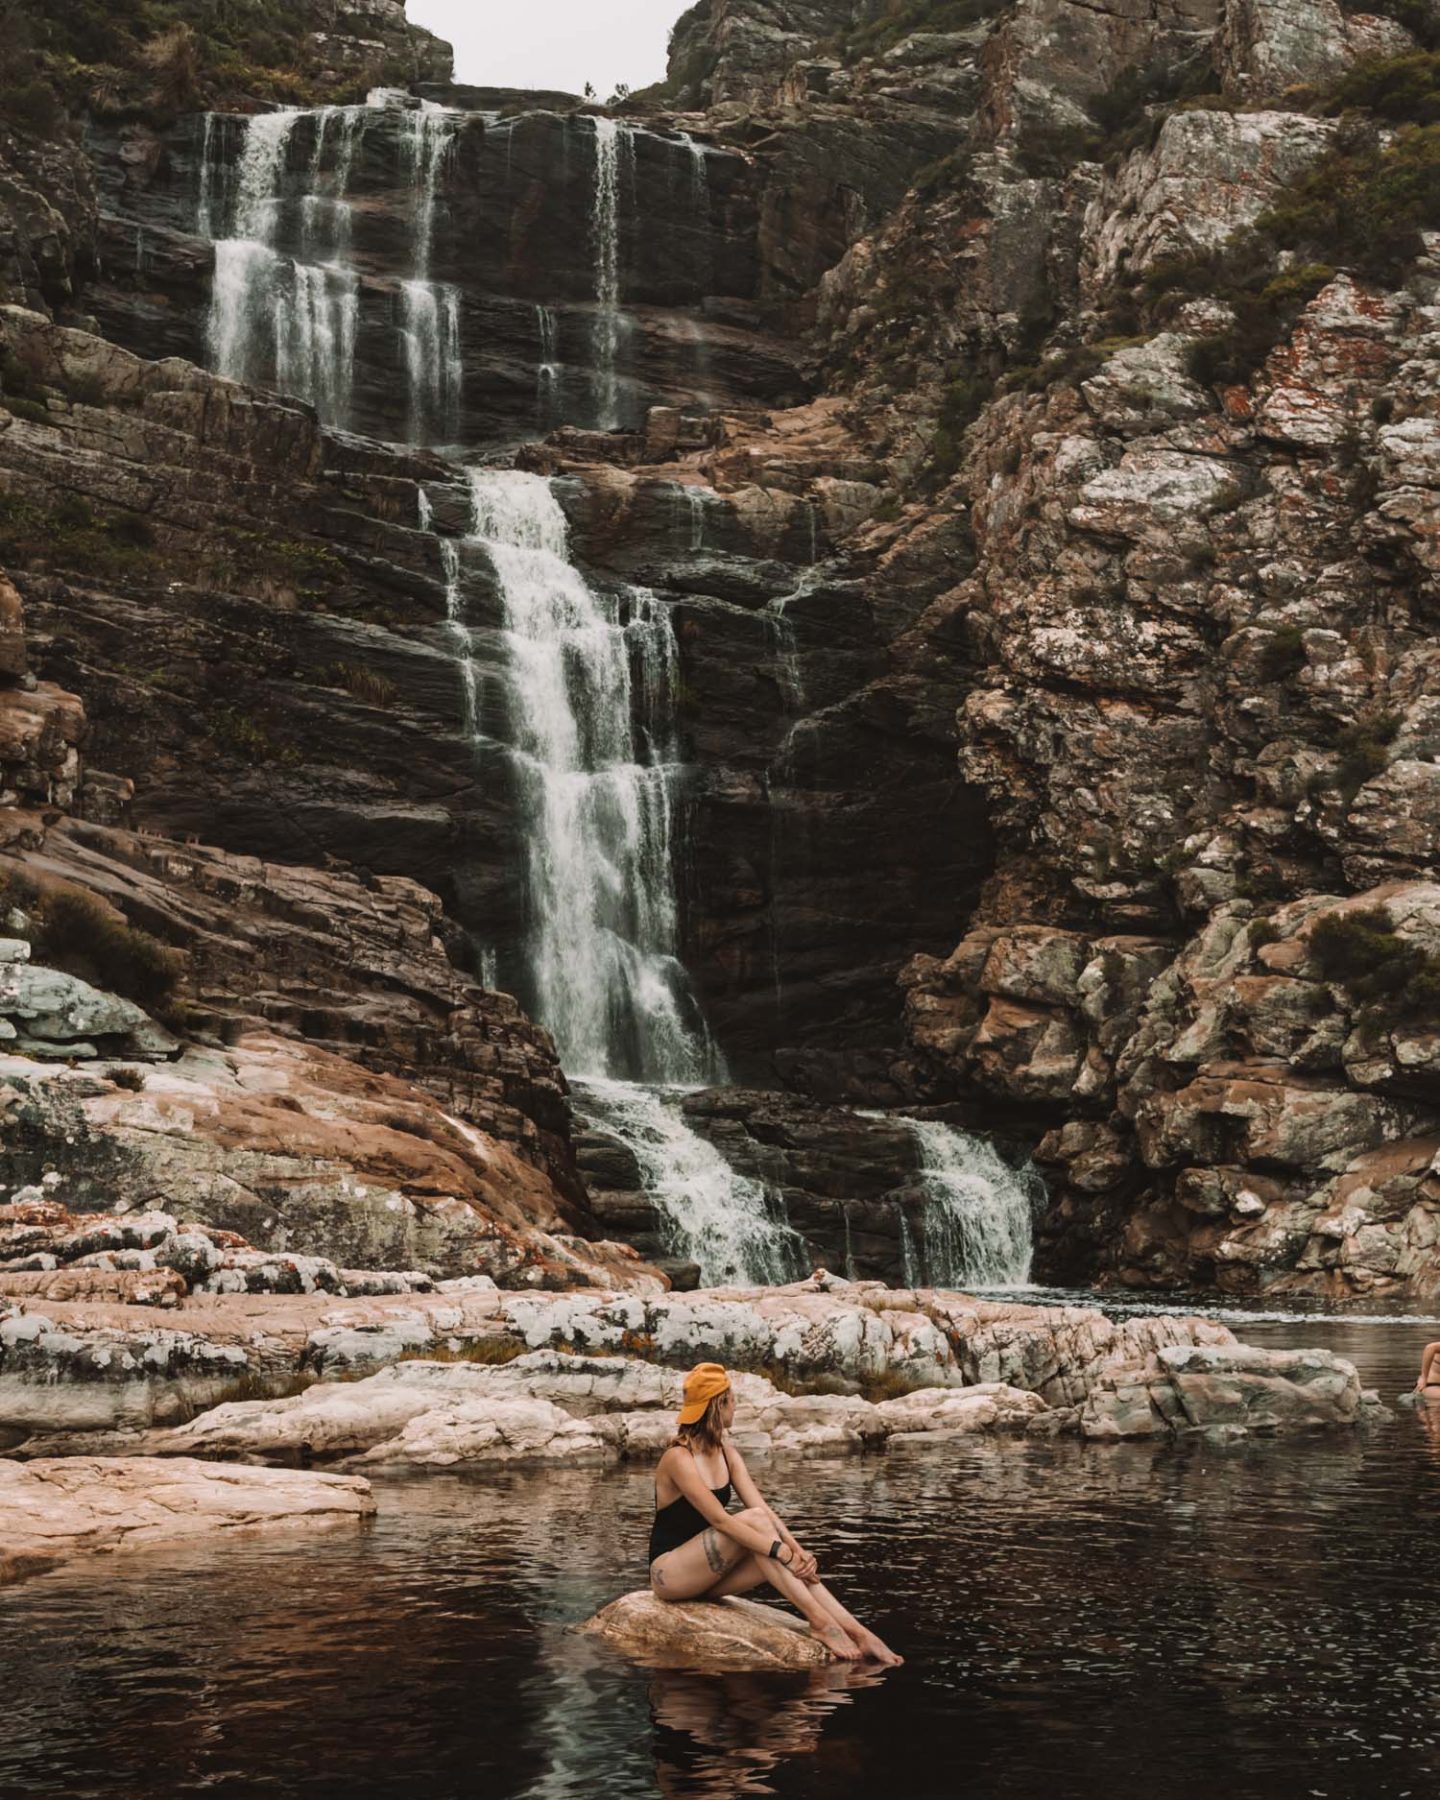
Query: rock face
(725, 1634)
(1039, 476)
(51, 1510)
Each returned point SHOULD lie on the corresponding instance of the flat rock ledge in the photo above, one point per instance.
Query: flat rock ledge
(708, 1635)
(53, 1509)
(510, 1376)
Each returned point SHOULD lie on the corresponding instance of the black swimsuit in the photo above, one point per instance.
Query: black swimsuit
(678, 1522)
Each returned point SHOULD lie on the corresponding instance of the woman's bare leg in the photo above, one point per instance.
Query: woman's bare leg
(827, 1617)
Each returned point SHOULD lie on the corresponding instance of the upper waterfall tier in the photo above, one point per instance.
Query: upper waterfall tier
(429, 275)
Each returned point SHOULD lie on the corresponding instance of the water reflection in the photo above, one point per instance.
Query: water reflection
(718, 1735)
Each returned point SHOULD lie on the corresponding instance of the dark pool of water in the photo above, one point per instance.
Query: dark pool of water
(1080, 1621)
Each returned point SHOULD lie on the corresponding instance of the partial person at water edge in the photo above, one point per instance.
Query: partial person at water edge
(701, 1551)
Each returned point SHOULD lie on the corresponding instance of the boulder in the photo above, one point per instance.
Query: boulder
(53, 1509)
(1227, 1391)
(734, 1633)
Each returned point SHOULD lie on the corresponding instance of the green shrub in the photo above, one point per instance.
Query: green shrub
(951, 172)
(34, 410)
(132, 529)
(1362, 207)
(77, 932)
(68, 536)
(1362, 952)
(1123, 112)
(962, 401)
(237, 734)
(1283, 653)
(31, 106)
(1364, 752)
(1053, 150)
(132, 1080)
(1403, 89)
(365, 684)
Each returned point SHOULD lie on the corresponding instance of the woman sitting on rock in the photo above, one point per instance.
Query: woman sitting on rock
(699, 1551)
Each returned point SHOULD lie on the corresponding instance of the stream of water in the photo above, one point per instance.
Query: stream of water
(1098, 1622)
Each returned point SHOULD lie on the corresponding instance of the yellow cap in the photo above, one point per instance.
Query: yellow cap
(702, 1384)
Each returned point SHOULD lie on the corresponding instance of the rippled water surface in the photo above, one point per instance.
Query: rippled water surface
(1079, 1620)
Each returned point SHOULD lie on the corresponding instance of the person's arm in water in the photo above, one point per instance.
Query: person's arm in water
(1427, 1363)
(804, 1563)
(679, 1465)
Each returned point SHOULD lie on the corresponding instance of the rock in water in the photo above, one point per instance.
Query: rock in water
(713, 1635)
(57, 1507)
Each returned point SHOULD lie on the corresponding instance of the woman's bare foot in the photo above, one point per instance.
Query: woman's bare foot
(837, 1643)
(877, 1650)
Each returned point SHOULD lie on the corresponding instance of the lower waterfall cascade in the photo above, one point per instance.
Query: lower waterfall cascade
(724, 1221)
(977, 1228)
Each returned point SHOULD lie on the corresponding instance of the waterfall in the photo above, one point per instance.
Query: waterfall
(547, 378)
(430, 328)
(605, 238)
(699, 175)
(429, 310)
(698, 159)
(428, 139)
(271, 316)
(712, 1215)
(977, 1224)
(455, 626)
(695, 500)
(603, 916)
(205, 204)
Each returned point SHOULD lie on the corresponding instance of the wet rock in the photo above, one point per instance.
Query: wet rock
(1224, 1390)
(717, 1635)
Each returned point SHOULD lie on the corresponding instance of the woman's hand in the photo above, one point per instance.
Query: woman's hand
(802, 1563)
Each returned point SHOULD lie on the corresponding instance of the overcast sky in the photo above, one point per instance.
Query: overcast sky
(553, 43)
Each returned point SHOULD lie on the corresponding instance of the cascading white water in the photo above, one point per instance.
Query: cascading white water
(605, 238)
(977, 1228)
(429, 136)
(430, 310)
(592, 703)
(547, 376)
(713, 1215)
(603, 916)
(271, 316)
(695, 500)
(455, 626)
(430, 327)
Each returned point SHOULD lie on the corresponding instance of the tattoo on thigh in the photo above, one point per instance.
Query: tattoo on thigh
(714, 1552)
(659, 1573)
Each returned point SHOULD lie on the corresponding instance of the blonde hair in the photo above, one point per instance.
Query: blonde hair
(706, 1433)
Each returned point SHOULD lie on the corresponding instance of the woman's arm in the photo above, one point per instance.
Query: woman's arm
(745, 1487)
(687, 1478)
(1427, 1362)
